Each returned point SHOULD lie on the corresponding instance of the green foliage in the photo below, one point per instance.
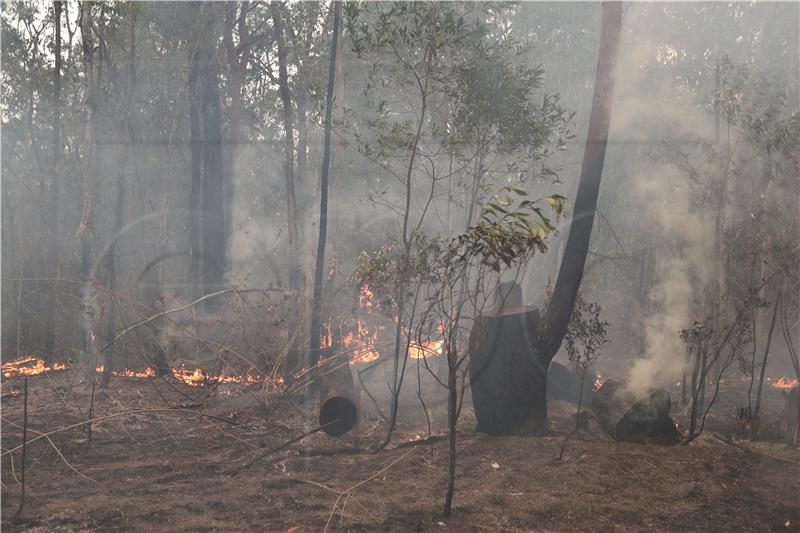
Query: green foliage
(511, 228)
(587, 333)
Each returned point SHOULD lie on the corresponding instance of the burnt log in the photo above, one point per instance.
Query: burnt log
(649, 421)
(337, 412)
(508, 375)
(565, 384)
(610, 403)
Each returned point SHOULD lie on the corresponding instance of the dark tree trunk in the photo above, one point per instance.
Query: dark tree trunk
(238, 56)
(288, 127)
(757, 412)
(119, 221)
(511, 352)
(55, 185)
(316, 319)
(213, 184)
(207, 195)
(195, 199)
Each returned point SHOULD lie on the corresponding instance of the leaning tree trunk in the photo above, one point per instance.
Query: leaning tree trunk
(512, 349)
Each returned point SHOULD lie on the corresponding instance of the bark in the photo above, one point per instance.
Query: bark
(53, 261)
(86, 225)
(238, 56)
(288, 127)
(756, 413)
(509, 378)
(452, 418)
(207, 197)
(316, 318)
(195, 199)
(213, 183)
(119, 221)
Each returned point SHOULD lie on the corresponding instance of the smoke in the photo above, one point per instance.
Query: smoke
(679, 273)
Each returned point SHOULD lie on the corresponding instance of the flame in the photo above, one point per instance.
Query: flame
(783, 383)
(426, 349)
(31, 365)
(366, 298)
(21, 367)
(362, 342)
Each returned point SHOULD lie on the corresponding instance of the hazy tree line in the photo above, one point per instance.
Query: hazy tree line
(171, 150)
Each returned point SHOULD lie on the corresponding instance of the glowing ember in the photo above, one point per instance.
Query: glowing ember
(783, 383)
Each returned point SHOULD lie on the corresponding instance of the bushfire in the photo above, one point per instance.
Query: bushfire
(31, 366)
(363, 342)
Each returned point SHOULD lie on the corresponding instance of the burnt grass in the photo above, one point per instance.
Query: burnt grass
(179, 471)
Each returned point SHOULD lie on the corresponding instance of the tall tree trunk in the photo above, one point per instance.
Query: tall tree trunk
(85, 229)
(237, 63)
(195, 198)
(757, 412)
(207, 203)
(509, 378)
(213, 182)
(55, 185)
(119, 221)
(316, 318)
(288, 127)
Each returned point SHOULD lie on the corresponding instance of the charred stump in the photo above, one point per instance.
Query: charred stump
(508, 374)
(627, 419)
(337, 411)
(649, 421)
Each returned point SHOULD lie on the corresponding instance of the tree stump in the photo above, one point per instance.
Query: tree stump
(508, 373)
(337, 403)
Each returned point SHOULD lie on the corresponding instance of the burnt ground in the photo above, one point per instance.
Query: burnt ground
(174, 471)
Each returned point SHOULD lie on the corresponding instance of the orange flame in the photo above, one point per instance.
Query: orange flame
(21, 367)
(32, 365)
(784, 383)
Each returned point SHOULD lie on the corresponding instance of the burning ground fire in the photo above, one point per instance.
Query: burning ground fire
(363, 342)
(31, 366)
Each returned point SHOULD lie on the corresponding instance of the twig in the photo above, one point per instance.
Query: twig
(91, 410)
(284, 445)
(354, 487)
(24, 447)
(117, 415)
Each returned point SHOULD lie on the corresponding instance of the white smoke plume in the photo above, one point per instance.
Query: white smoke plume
(679, 274)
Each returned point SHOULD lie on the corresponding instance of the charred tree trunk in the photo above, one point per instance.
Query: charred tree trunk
(757, 412)
(316, 318)
(512, 351)
(207, 196)
(53, 262)
(213, 185)
(288, 126)
(119, 221)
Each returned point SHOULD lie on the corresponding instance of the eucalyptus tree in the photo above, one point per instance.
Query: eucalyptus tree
(450, 102)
